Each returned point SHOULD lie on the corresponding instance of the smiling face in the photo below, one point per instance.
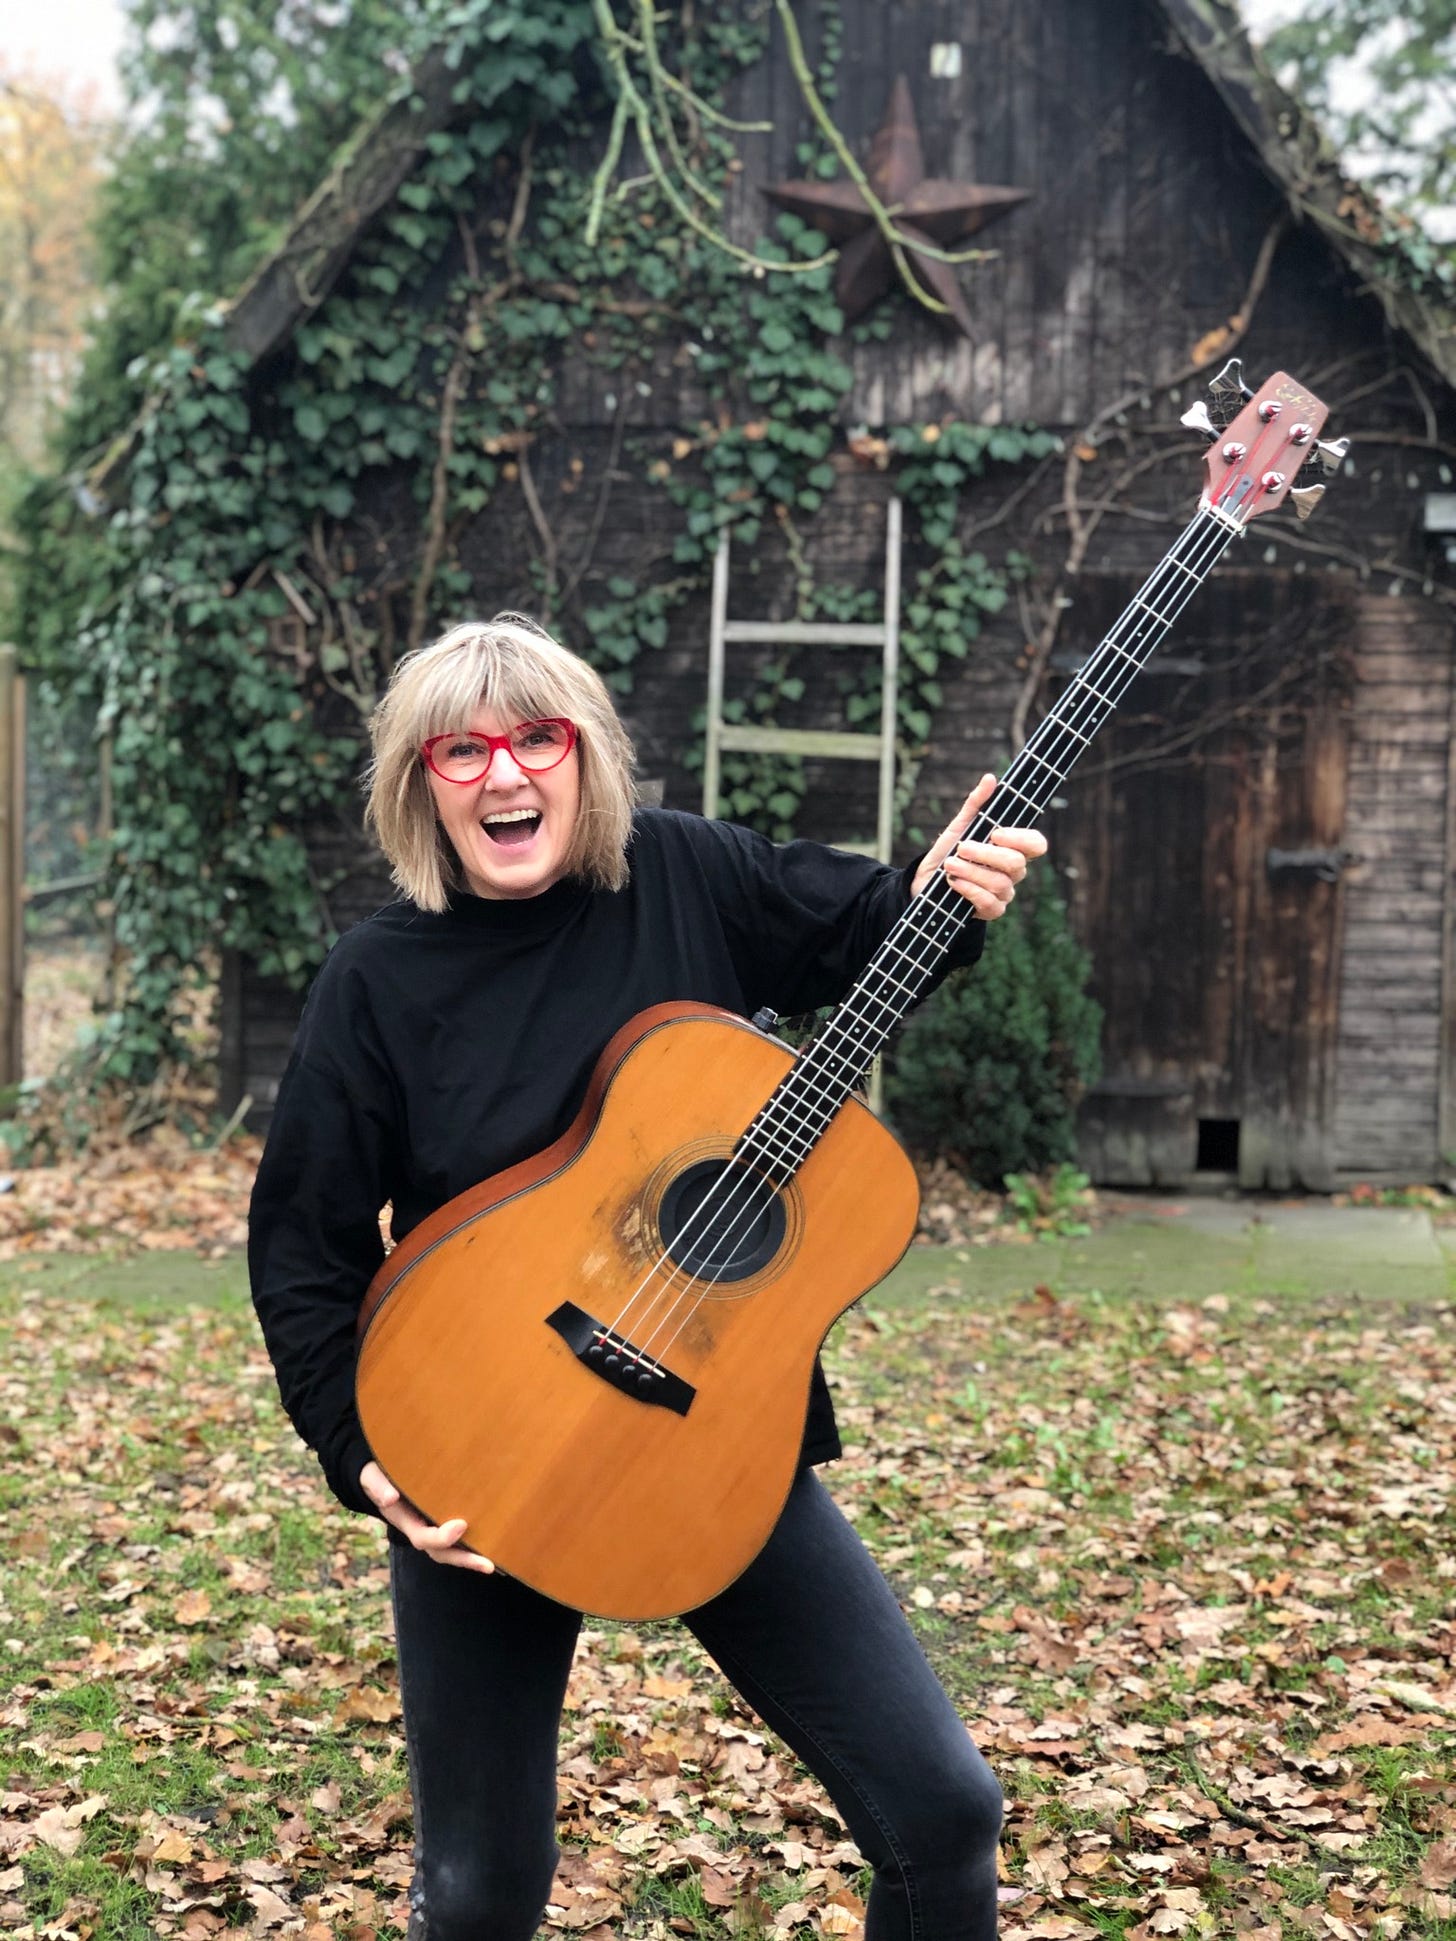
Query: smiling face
(512, 830)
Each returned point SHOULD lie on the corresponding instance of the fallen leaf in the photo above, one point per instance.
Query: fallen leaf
(720, 1889)
(55, 1828)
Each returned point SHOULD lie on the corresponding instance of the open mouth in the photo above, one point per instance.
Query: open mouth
(514, 830)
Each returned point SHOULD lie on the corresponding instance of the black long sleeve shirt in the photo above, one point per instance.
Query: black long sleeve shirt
(435, 1050)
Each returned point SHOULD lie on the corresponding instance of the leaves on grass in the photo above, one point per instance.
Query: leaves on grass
(163, 1194)
(1186, 1567)
(154, 1195)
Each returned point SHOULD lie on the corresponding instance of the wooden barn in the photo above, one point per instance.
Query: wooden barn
(1260, 851)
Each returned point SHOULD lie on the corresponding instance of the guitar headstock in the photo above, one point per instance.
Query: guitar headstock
(1259, 441)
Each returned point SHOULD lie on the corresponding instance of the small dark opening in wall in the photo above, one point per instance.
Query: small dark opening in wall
(1218, 1146)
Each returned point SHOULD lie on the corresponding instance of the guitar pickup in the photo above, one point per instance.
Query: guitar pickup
(613, 1357)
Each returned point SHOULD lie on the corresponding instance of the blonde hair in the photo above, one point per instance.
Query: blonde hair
(516, 670)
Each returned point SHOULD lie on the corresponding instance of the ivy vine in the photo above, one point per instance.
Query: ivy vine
(233, 617)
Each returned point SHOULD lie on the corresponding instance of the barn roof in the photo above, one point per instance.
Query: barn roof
(1303, 166)
(293, 281)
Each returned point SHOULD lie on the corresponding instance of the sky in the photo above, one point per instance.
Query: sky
(77, 40)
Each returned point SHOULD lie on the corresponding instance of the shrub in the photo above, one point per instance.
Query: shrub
(987, 1073)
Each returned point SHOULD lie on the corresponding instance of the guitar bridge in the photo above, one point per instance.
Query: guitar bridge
(612, 1356)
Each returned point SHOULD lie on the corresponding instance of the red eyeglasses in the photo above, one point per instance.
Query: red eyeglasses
(534, 746)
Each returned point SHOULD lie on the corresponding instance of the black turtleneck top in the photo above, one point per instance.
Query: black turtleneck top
(435, 1050)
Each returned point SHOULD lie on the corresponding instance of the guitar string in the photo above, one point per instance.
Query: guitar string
(948, 919)
(1052, 736)
(827, 1047)
(1126, 657)
(951, 919)
(1225, 529)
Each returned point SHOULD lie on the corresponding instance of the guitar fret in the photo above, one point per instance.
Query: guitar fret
(1029, 755)
(857, 1021)
(881, 1003)
(772, 1139)
(1005, 788)
(788, 1103)
(849, 1061)
(793, 1137)
(776, 1175)
(899, 951)
(955, 917)
(807, 1092)
(920, 960)
(1062, 728)
(1113, 647)
(1162, 618)
(921, 966)
(1077, 681)
(910, 991)
(820, 1085)
(834, 1082)
(800, 1137)
(912, 929)
(799, 1093)
(813, 1118)
(851, 1029)
(893, 947)
(806, 1130)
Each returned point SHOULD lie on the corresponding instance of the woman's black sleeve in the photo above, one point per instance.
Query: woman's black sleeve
(313, 1230)
(803, 920)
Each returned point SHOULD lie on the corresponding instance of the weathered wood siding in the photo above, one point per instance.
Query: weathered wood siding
(1398, 892)
(1148, 207)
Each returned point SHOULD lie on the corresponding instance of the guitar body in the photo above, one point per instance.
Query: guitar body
(477, 1388)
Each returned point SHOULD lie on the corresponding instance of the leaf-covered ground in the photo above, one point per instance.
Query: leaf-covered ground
(1187, 1565)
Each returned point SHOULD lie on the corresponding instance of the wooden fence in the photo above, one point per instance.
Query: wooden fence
(12, 869)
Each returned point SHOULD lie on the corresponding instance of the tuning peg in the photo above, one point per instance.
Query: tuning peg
(1331, 454)
(1304, 499)
(1229, 383)
(1197, 419)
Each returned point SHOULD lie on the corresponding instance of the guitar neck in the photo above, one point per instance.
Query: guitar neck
(829, 1069)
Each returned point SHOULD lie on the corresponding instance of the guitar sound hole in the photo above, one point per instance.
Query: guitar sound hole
(721, 1221)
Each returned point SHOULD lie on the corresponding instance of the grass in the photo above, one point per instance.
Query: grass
(1184, 1560)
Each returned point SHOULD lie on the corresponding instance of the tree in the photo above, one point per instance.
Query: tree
(51, 154)
(989, 1070)
(237, 108)
(1378, 73)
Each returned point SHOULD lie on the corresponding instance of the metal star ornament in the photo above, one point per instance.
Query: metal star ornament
(922, 210)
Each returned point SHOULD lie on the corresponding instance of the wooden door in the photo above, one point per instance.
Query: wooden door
(1203, 839)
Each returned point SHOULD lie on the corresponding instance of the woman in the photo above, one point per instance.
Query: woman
(453, 1034)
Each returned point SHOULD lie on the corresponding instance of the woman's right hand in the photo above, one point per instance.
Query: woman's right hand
(440, 1542)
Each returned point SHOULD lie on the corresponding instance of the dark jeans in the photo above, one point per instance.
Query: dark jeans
(812, 1637)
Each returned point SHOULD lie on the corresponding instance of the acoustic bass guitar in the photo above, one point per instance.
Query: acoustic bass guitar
(619, 1417)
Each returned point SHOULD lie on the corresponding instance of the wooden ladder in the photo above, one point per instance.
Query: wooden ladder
(826, 744)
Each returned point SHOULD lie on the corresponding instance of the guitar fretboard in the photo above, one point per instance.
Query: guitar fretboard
(830, 1067)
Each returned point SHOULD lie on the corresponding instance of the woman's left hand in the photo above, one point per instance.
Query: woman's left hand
(985, 873)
